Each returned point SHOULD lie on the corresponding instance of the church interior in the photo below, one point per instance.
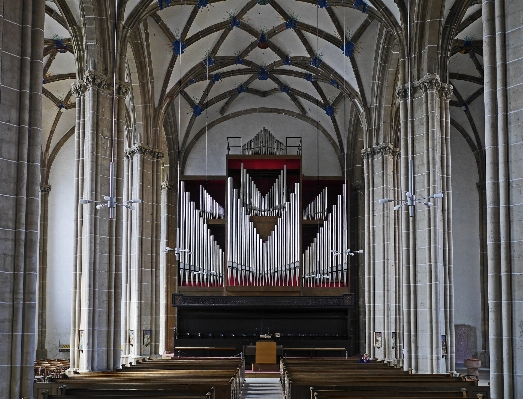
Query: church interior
(215, 183)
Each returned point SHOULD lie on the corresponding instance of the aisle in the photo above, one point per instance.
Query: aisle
(266, 388)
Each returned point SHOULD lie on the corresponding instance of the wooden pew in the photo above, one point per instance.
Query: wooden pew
(134, 394)
(346, 378)
(171, 378)
(387, 393)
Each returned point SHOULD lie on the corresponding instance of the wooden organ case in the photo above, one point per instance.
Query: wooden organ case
(263, 254)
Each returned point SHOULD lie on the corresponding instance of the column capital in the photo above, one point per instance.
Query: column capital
(123, 89)
(380, 150)
(45, 188)
(446, 91)
(402, 91)
(168, 186)
(429, 82)
(78, 88)
(142, 149)
(97, 80)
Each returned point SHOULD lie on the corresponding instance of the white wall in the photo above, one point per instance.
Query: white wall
(60, 255)
(247, 127)
(465, 225)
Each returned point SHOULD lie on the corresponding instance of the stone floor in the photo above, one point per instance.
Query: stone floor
(266, 388)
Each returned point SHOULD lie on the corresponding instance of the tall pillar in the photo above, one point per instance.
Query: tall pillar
(96, 322)
(427, 234)
(382, 263)
(503, 51)
(483, 267)
(21, 53)
(41, 350)
(168, 267)
(143, 275)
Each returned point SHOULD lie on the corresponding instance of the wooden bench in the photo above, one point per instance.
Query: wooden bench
(123, 393)
(204, 378)
(347, 378)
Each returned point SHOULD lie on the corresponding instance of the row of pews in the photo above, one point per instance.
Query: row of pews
(44, 369)
(349, 379)
(199, 378)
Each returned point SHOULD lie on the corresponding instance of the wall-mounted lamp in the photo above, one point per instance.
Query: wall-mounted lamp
(178, 251)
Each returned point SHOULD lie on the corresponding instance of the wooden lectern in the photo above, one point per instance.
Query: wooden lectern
(265, 352)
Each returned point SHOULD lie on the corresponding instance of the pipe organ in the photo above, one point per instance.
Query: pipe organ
(263, 224)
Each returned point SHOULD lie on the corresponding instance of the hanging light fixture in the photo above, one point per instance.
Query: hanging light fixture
(110, 200)
(346, 252)
(197, 110)
(411, 198)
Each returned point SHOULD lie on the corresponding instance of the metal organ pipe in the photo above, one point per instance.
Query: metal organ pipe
(321, 266)
(251, 261)
(317, 209)
(204, 265)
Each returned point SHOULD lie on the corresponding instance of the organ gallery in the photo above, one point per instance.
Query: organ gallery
(269, 233)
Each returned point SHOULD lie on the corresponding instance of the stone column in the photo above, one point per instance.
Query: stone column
(41, 350)
(382, 265)
(168, 266)
(96, 323)
(143, 276)
(21, 53)
(503, 52)
(483, 267)
(357, 265)
(427, 235)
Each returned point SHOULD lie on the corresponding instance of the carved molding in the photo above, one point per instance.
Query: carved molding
(143, 150)
(97, 80)
(78, 88)
(45, 188)
(180, 300)
(168, 186)
(380, 150)
(446, 91)
(402, 91)
(123, 89)
(429, 82)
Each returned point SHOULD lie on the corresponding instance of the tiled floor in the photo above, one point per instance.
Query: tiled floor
(266, 388)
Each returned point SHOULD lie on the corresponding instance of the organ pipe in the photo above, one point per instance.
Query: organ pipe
(317, 209)
(325, 260)
(204, 266)
(251, 261)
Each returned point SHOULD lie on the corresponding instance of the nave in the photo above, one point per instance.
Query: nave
(226, 378)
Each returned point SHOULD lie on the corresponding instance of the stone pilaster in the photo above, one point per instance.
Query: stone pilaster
(382, 263)
(503, 52)
(483, 267)
(168, 266)
(41, 350)
(21, 54)
(427, 236)
(142, 283)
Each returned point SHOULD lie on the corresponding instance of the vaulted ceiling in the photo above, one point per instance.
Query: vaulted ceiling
(207, 62)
